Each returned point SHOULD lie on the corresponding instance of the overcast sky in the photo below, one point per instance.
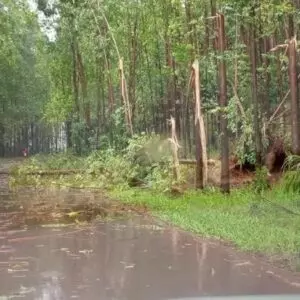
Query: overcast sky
(45, 23)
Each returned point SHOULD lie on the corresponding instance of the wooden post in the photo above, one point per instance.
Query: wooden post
(201, 151)
(225, 186)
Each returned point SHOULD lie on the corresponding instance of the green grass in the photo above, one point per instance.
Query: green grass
(248, 221)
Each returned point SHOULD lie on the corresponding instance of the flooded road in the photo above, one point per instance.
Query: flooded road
(115, 256)
(125, 259)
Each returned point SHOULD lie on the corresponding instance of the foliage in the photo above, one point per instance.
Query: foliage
(260, 183)
(24, 80)
(144, 161)
(58, 161)
(158, 41)
(60, 66)
(109, 168)
(147, 152)
(291, 180)
(58, 109)
(244, 148)
(80, 137)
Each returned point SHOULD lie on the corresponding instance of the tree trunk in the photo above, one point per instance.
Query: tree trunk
(225, 186)
(295, 115)
(254, 90)
(75, 78)
(2, 144)
(201, 152)
(132, 67)
(83, 84)
(109, 85)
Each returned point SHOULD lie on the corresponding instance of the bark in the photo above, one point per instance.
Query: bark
(83, 84)
(225, 185)
(132, 67)
(75, 78)
(170, 90)
(100, 101)
(2, 146)
(267, 80)
(295, 115)
(254, 91)
(111, 97)
(188, 14)
(174, 147)
(124, 93)
(201, 152)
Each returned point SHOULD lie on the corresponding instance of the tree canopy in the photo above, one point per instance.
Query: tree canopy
(114, 69)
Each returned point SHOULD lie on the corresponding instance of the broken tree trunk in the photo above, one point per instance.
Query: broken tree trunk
(201, 151)
(175, 147)
(225, 186)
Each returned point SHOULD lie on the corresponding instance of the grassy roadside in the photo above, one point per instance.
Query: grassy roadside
(249, 222)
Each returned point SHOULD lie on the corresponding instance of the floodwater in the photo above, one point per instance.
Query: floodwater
(132, 257)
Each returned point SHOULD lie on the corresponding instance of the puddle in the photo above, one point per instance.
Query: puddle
(37, 207)
(76, 244)
(127, 259)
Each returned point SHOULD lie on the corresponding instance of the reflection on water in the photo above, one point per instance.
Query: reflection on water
(125, 259)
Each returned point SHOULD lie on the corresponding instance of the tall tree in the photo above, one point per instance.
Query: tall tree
(225, 185)
(295, 113)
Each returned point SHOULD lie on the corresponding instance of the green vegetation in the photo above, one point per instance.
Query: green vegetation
(292, 176)
(249, 221)
(145, 161)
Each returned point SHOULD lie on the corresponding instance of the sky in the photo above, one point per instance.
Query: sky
(45, 23)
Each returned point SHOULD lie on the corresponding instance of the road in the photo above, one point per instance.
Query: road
(133, 257)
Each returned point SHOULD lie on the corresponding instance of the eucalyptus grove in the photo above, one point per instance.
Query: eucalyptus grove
(117, 68)
(24, 78)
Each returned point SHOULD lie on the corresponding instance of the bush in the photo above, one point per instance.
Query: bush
(147, 153)
(108, 166)
(145, 160)
(291, 180)
(56, 161)
(260, 183)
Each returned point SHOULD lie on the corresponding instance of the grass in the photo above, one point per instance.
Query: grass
(248, 221)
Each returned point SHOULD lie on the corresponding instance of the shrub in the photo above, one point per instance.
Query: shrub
(260, 183)
(291, 180)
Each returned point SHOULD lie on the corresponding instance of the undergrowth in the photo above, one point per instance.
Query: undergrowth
(146, 161)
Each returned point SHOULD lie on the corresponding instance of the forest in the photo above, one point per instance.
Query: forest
(217, 79)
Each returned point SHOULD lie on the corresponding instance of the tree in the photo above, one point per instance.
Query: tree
(225, 185)
(295, 113)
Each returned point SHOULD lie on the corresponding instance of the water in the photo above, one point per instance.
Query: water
(127, 259)
(44, 255)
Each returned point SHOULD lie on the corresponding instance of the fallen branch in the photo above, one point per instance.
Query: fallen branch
(238, 101)
(280, 105)
(281, 46)
(210, 162)
(50, 172)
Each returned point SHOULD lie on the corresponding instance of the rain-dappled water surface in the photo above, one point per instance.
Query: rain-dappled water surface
(132, 257)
